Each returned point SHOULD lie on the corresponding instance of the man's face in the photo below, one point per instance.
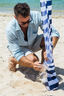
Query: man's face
(23, 21)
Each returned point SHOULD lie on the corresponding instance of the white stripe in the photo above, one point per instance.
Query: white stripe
(50, 17)
(44, 80)
(45, 26)
(47, 88)
(53, 82)
(48, 0)
(44, 18)
(43, 9)
(49, 8)
(42, 0)
(50, 69)
(49, 75)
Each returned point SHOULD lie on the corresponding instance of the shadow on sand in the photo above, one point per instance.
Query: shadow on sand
(29, 73)
(32, 74)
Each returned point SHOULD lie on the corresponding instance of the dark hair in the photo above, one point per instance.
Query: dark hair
(22, 9)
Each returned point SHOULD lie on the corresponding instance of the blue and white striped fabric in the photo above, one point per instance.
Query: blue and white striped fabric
(51, 82)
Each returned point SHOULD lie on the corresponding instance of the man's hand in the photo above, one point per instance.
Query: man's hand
(44, 55)
(37, 66)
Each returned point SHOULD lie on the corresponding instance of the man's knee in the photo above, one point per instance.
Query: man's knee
(32, 57)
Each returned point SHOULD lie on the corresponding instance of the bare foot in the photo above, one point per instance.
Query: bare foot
(12, 64)
(12, 67)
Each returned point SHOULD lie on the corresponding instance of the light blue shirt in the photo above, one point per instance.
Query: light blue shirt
(15, 35)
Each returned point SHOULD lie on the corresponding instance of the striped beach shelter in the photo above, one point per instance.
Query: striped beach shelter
(51, 81)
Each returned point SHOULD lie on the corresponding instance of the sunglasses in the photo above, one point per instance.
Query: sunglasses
(28, 21)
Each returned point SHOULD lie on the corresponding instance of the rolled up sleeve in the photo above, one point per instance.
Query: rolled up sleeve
(14, 46)
(55, 33)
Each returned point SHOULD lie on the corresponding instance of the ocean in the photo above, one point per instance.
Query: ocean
(8, 5)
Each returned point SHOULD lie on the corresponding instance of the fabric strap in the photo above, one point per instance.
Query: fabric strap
(51, 81)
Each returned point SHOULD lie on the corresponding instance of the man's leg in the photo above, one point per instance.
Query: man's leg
(39, 45)
(13, 62)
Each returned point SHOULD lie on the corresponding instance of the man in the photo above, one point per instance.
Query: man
(23, 39)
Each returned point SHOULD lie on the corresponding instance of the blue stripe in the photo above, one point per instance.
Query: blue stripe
(50, 21)
(44, 13)
(47, 47)
(46, 83)
(48, 61)
(51, 66)
(42, 4)
(52, 59)
(49, 12)
(50, 72)
(54, 86)
(50, 31)
(49, 3)
(45, 22)
(46, 30)
(52, 48)
(51, 78)
(47, 39)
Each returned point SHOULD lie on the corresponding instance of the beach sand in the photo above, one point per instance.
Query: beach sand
(22, 82)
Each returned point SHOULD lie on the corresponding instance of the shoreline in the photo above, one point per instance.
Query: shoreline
(54, 15)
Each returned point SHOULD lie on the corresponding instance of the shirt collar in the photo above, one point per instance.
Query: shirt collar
(17, 25)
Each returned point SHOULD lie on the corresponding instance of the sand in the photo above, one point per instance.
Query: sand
(22, 82)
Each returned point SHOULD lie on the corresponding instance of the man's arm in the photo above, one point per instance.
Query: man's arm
(25, 62)
(55, 36)
(54, 41)
(30, 64)
(14, 46)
